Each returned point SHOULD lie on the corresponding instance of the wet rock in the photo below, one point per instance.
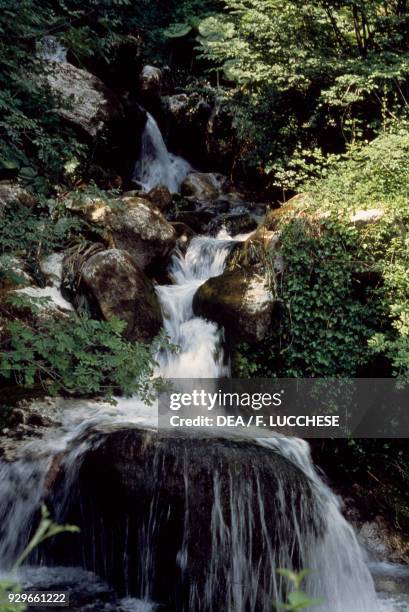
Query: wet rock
(198, 220)
(160, 197)
(384, 543)
(239, 301)
(112, 284)
(204, 186)
(140, 228)
(234, 223)
(91, 106)
(143, 489)
(86, 592)
(39, 415)
(37, 420)
(184, 234)
(150, 80)
(217, 207)
(16, 417)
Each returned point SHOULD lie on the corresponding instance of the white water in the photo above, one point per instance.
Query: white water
(340, 577)
(156, 166)
(51, 49)
(200, 352)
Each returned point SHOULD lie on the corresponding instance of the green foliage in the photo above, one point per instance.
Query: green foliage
(376, 176)
(35, 233)
(326, 324)
(307, 75)
(72, 354)
(344, 291)
(33, 142)
(297, 599)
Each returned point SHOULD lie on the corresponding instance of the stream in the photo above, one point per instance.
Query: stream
(243, 553)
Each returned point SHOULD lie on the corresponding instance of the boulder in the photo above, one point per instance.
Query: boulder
(179, 505)
(87, 592)
(11, 193)
(234, 223)
(263, 245)
(198, 219)
(91, 106)
(362, 218)
(112, 284)
(188, 111)
(140, 228)
(186, 117)
(154, 81)
(204, 186)
(221, 137)
(160, 197)
(150, 80)
(384, 543)
(239, 301)
(131, 223)
(292, 207)
(203, 130)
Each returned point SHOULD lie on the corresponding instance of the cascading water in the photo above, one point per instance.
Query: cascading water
(250, 506)
(156, 166)
(200, 354)
(50, 48)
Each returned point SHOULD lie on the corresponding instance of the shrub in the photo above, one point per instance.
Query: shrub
(72, 354)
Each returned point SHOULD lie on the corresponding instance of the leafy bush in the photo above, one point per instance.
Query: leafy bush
(376, 176)
(307, 76)
(35, 233)
(344, 292)
(70, 353)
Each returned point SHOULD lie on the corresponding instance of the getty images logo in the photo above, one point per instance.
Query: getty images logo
(203, 399)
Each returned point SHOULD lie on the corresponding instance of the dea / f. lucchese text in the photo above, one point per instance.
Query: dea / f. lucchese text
(256, 421)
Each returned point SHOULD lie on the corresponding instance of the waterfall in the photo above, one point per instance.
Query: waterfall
(51, 49)
(156, 166)
(200, 352)
(267, 506)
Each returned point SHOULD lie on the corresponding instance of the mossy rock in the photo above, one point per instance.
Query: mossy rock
(239, 301)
